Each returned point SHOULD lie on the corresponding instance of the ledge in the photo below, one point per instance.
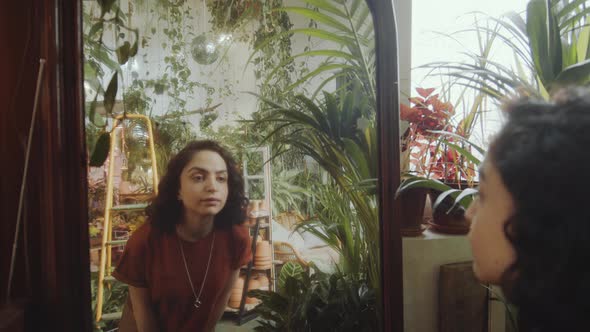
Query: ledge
(430, 235)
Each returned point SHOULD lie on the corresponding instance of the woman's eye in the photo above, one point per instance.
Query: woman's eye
(198, 178)
(221, 179)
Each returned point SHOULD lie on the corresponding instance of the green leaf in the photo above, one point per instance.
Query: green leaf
(110, 94)
(544, 39)
(577, 18)
(105, 6)
(450, 134)
(442, 196)
(133, 50)
(316, 72)
(468, 155)
(94, 117)
(583, 44)
(317, 16)
(102, 54)
(568, 9)
(101, 150)
(325, 35)
(358, 158)
(290, 269)
(95, 28)
(575, 74)
(326, 6)
(419, 182)
(464, 198)
(123, 52)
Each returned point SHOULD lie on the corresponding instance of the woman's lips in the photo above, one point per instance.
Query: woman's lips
(211, 201)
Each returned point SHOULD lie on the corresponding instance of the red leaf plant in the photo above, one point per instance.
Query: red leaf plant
(425, 152)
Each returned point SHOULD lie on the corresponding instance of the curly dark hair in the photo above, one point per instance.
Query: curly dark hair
(165, 210)
(542, 157)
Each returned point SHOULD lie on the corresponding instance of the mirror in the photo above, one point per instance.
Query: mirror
(290, 88)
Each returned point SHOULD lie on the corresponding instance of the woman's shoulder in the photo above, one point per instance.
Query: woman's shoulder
(240, 232)
(141, 235)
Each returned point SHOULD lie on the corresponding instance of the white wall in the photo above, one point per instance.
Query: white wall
(231, 72)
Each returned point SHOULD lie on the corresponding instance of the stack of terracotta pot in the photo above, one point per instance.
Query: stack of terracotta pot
(235, 296)
(263, 259)
(263, 282)
(252, 284)
(252, 212)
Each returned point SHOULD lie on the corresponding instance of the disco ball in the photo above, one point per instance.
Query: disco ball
(204, 50)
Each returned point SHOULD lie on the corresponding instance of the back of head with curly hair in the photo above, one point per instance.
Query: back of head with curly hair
(542, 155)
(165, 210)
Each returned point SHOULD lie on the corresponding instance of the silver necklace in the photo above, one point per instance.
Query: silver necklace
(197, 303)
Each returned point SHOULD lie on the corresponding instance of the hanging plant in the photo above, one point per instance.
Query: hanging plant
(99, 55)
(230, 14)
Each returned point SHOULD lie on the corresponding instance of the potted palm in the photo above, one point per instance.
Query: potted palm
(550, 45)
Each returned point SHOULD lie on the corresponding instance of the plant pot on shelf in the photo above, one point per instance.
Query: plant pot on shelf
(252, 285)
(235, 296)
(263, 282)
(263, 259)
(412, 203)
(447, 219)
(252, 212)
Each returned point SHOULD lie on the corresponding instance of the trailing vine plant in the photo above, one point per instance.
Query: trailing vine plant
(103, 60)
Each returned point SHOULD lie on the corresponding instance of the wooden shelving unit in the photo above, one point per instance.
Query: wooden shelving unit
(262, 227)
(245, 312)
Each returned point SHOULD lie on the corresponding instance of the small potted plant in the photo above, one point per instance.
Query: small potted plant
(439, 162)
(419, 145)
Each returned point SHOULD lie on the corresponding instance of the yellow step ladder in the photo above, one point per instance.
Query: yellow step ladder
(104, 272)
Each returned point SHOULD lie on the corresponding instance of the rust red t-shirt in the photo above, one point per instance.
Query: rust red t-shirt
(153, 260)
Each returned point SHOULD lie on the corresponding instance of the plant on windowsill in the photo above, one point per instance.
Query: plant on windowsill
(438, 162)
(450, 199)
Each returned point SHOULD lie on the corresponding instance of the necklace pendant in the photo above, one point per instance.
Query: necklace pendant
(197, 303)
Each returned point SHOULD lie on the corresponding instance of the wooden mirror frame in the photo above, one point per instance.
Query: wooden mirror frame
(58, 259)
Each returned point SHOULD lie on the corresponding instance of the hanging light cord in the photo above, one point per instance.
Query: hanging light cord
(24, 181)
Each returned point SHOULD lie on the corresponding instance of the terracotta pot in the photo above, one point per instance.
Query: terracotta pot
(412, 204)
(252, 284)
(94, 259)
(254, 206)
(235, 296)
(263, 282)
(263, 259)
(125, 188)
(453, 222)
(96, 242)
(263, 206)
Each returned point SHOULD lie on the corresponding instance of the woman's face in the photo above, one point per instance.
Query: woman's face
(203, 184)
(492, 252)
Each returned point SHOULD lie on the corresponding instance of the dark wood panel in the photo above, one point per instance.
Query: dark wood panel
(389, 163)
(56, 240)
(18, 68)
